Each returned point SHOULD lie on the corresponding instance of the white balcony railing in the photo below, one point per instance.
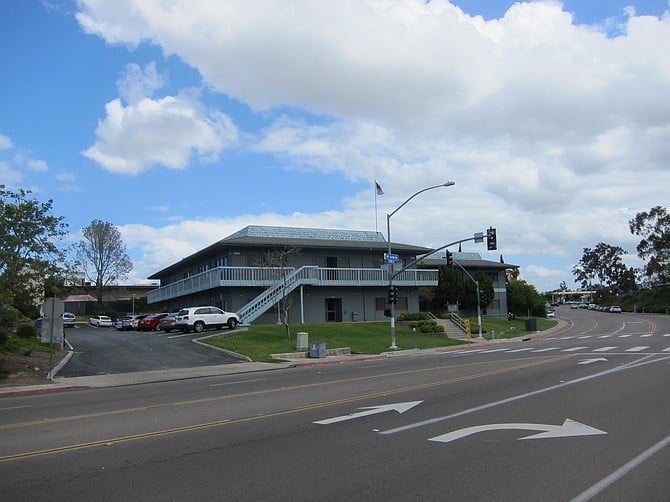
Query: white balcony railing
(268, 276)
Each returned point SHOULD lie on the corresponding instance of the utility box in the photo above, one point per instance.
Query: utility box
(302, 341)
(531, 324)
(317, 349)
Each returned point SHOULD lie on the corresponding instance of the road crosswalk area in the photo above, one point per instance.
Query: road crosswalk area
(618, 343)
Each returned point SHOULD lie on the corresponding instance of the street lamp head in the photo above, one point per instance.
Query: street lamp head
(449, 183)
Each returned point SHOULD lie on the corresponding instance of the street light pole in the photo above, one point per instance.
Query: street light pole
(388, 255)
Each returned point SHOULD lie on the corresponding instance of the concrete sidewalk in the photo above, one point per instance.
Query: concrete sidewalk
(63, 384)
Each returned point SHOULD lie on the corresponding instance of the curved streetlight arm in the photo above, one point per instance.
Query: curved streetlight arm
(447, 184)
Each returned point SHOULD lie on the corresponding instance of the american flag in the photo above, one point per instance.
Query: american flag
(379, 189)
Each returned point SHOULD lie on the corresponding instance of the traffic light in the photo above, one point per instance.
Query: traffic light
(450, 258)
(393, 294)
(491, 239)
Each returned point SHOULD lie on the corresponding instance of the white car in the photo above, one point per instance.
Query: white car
(616, 309)
(68, 319)
(199, 318)
(551, 313)
(100, 321)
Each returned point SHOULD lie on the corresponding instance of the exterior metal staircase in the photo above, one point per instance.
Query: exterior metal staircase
(282, 288)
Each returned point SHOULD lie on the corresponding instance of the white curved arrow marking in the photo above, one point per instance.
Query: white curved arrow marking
(594, 360)
(371, 410)
(568, 429)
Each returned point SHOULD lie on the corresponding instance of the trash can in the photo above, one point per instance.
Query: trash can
(531, 324)
(317, 349)
(302, 341)
(354, 316)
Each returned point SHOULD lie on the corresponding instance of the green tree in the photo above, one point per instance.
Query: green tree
(603, 267)
(523, 299)
(449, 288)
(654, 228)
(486, 291)
(29, 249)
(102, 255)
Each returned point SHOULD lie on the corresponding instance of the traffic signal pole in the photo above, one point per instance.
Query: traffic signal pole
(477, 237)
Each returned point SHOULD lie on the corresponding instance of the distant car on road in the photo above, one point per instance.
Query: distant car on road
(615, 309)
(199, 318)
(150, 322)
(100, 321)
(551, 313)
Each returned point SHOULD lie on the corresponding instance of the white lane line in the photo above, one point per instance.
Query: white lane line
(624, 336)
(647, 335)
(547, 350)
(604, 349)
(604, 336)
(566, 337)
(490, 351)
(639, 348)
(585, 337)
(574, 349)
(666, 350)
(520, 350)
(621, 471)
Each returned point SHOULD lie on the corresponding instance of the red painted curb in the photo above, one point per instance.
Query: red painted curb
(51, 390)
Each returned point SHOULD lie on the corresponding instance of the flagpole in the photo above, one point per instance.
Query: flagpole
(375, 189)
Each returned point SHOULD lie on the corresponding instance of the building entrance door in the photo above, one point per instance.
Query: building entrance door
(333, 309)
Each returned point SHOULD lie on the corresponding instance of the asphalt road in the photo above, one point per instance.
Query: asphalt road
(582, 415)
(102, 351)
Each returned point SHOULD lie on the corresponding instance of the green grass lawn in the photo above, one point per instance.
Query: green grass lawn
(258, 342)
(502, 328)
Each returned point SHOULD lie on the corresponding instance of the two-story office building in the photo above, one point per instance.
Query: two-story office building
(329, 275)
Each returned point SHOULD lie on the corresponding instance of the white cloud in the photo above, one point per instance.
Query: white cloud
(5, 142)
(547, 127)
(137, 84)
(167, 132)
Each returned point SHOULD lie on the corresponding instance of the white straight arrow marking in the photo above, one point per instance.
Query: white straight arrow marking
(568, 429)
(594, 360)
(371, 410)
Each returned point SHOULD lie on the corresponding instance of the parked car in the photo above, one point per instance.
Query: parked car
(551, 313)
(167, 324)
(129, 322)
(615, 309)
(68, 319)
(100, 321)
(199, 318)
(150, 322)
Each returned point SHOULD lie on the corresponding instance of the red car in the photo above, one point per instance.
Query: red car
(150, 322)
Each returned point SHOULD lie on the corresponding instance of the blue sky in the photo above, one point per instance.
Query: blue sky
(182, 126)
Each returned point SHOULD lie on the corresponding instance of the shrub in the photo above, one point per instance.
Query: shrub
(9, 316)
(427, 326)
(26, 331)
(415, 316)
(4, 335)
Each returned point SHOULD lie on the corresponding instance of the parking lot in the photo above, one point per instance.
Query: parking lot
(102, 351)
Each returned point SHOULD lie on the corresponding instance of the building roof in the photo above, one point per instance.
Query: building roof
(80, 298)
(312, 238)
